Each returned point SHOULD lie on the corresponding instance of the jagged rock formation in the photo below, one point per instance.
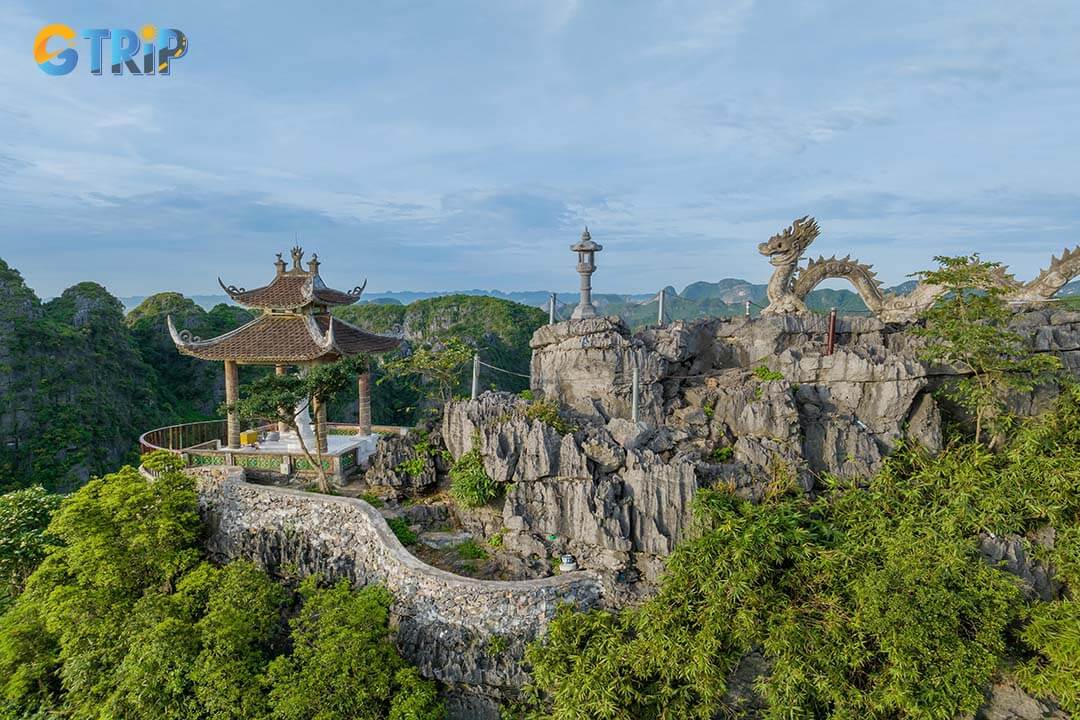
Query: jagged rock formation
(790, 284)
(724, 401)
(398, 463)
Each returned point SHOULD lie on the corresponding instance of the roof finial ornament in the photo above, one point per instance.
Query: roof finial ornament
(313, 264)
(585, 235)
(297, 256)
(279, 264)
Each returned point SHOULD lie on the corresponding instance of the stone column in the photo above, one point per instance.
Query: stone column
(320, 425)
(363, 384)
(585, 308)
(282, 427)
(232, 394)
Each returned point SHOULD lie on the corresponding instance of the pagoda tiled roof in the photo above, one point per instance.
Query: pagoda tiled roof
(291, 290)
(294, 288)
(284, 338)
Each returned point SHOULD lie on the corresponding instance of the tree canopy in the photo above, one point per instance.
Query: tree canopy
(870, 601)
(125, 617)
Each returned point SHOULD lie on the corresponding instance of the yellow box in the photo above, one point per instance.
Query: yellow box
(249, 437)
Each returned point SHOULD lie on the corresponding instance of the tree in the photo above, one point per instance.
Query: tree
(116, 539)
(24, 515)
(284, 397)
(437, 366)
(126, 618)
(969, 330)
(343, 664)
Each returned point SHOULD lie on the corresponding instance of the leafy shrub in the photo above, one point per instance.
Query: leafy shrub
(423, 452)
(868, 601)
(125, 618)
(496, 645)
(1053, 632)
(160, 461)
(24, 515)
(470, 550)
(343, 663)
(763, 373)
(527, 395)
(401, 529)
(547, 412)
(372, 499)
(721, 454)
(469, 481)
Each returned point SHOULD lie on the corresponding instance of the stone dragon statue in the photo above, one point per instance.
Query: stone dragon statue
(790, 284)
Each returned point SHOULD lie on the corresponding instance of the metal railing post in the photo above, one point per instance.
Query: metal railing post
(551, 309)
(634, 397)
(475, 375)
(660, 312)
(747, 308)
(831, 342)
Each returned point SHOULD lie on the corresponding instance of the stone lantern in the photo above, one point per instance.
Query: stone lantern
(586, 266)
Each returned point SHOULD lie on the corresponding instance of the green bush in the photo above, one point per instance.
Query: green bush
(470, 550)
(343, 663)
(721, 454)
(469, 482)
(372, 499)
(402, 530)
(125, 618)
(762, 372)
(547, 412)
(870, 601)
(24, 515)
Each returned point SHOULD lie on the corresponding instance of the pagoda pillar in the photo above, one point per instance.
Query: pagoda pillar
(232, 395)
(363, 384)
(320, 425)
(283, 427)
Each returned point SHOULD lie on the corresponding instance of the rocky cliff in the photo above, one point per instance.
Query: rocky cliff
(75, 393)
(736, 401)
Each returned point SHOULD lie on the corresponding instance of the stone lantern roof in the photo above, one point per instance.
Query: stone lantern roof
(586, 244)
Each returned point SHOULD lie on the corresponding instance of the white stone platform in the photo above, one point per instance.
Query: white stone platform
(336, 445)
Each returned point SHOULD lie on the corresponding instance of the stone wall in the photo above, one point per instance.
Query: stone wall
(468, 634)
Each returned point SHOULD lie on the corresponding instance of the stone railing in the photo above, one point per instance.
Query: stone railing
(458, 630)
(203, 443)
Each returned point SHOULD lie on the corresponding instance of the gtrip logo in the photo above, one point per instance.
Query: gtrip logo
(147, 52)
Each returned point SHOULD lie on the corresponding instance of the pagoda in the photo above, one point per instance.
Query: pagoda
(294, 328)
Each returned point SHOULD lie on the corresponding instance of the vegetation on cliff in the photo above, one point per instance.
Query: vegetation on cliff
(499, 330)
(191, 388)
(125, 617)
(871, 601)
(874, 598)
(79, 382)
(75, 392)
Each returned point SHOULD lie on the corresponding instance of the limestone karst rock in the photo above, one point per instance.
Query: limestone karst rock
(723, 401)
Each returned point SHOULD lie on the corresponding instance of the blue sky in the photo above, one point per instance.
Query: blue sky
(452, 145)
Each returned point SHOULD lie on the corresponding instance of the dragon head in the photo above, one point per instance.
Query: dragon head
(785, 248)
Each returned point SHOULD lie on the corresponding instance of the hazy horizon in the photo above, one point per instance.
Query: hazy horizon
(435, 149)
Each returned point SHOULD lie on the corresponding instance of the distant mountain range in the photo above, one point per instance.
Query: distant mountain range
(723, 298)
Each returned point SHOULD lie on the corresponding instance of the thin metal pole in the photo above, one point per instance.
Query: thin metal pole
(551, 309)
(831, 343)
(634, 397)
(660, 312)
(475, 375)
(747, 308)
